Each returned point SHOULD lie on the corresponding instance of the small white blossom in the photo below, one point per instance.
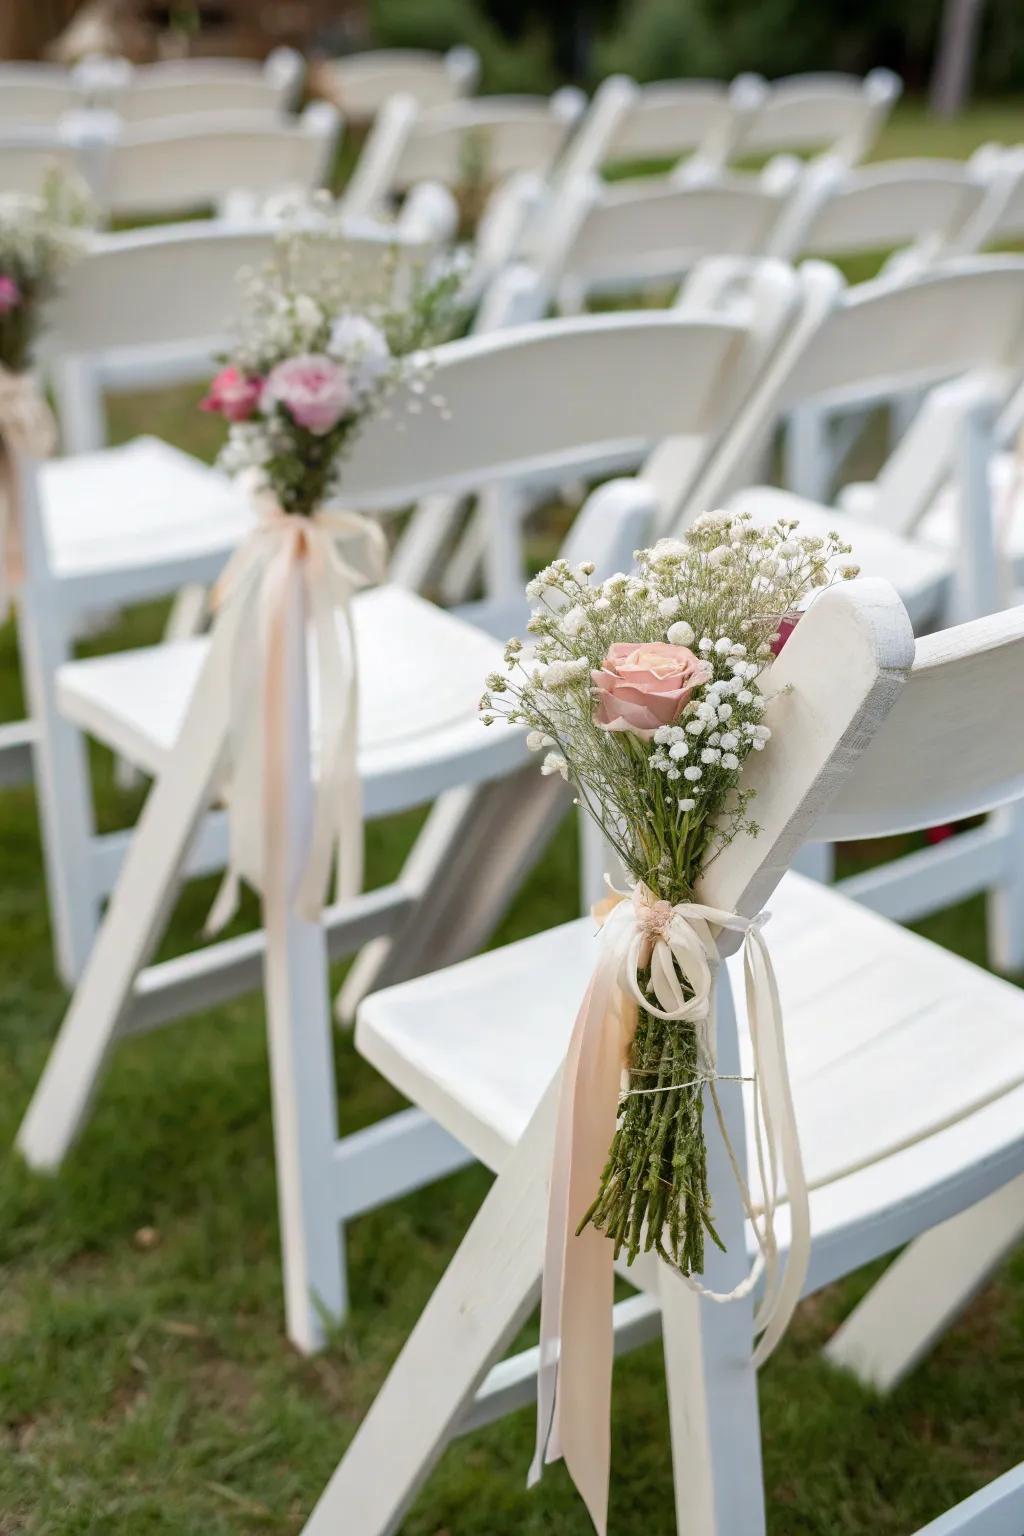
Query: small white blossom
(555, 763)
(678, 750)
(710, 755)
(668, 607)
(692, 773)
(681, 633)
(729, 741)
(687, 805)
(573, 620)
(730, 760)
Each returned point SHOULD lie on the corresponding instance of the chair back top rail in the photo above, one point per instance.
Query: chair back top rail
(953, 746)
(842, 114)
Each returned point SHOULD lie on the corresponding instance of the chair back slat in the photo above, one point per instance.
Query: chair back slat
(669, 118)
(953, 745)
(361, 83)
(494, 137)
(882, 207)
(838, 113)
(179, 284)
(564, 392)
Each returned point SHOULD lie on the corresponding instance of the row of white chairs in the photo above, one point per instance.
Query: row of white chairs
(41, 94)
(221, 160)
(695, 392)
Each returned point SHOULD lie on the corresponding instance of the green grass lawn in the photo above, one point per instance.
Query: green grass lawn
(145, 1384)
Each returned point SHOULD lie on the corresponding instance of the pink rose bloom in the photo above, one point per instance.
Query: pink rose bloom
(641, 687)
(10, 294)
(314, 390)
(233, 394)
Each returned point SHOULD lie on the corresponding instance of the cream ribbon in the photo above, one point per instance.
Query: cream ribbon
(27, 428)
(576, 1335)
(260, 576)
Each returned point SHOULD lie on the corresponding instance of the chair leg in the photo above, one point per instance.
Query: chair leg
(709, 1368)
(484, 1296)
(925, 1288)
(61, 770)
(1006, 901)
(134, 922)
(476, 848)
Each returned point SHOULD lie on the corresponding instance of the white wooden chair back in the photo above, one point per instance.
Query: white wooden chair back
(26, 157)
(35, 94)
(172, 165)
(953, 746)
(498, 136)
(153, 306)
(183, 88)
(842, 211)
(533, 399)
(878, 340)
(668, 120)
(361, 83)
(838, 114)
(618, 236)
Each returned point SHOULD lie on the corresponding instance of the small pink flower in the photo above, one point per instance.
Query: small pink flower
(233, 394)
(640, 687)
(786, 626)
(10, 294)
(315, 391)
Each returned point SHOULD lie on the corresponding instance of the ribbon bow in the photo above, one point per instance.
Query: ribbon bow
(678, 945)
(260, 575)
(27, 428)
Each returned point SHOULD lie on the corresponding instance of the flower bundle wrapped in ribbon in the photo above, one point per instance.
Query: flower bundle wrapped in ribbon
(646, 692)
(40, 235)
(313, 361)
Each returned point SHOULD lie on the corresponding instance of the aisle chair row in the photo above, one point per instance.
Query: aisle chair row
(703, 384)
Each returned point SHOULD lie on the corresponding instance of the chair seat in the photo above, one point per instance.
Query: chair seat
(421, 673)
(140, 505)
(920, 573)
(907, 1061)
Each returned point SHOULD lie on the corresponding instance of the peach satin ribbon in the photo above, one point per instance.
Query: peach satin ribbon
(576, 1335)
(261, 576)
(27, 428)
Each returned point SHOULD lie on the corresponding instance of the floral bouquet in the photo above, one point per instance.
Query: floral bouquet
(40, 235)
(646, 692)
(314, 360)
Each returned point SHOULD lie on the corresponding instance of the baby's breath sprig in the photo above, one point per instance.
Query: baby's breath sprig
(646, 692)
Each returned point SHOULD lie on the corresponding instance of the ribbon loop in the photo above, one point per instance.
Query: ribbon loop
(260, 576)
(680, 949)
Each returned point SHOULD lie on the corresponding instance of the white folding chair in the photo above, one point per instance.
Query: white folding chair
(225, 160)
(359, 84)
(143, 94)
(615, 238)
(519, 402)
(915, 210)
(905, 1119)
(962, 323)
(1000, 219)
(694, 123)
(836, 114)
(501, 136)
(126, 524)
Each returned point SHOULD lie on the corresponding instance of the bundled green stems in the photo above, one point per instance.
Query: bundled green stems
(654, 1189)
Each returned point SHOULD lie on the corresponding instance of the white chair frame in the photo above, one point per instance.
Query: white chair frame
(144, 309)
(525, 403)
(182, 88)
(840, 115)
(840, 769)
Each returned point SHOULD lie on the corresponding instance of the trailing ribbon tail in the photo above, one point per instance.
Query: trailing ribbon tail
(674, 944)
(27, 428)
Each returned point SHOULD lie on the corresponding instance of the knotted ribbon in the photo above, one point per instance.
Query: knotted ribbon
(677, 944)
(27, 429)
(261, 576)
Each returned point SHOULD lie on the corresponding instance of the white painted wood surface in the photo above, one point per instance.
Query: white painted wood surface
(360, 84)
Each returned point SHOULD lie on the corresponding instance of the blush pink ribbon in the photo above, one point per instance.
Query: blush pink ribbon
(678, 945)
(260, 575)
(27, 429)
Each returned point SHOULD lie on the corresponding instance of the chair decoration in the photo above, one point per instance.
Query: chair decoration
(307, 371)
(646, 693)
(39, 235)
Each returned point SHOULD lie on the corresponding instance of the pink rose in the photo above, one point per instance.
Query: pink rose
(314, 390)
(10, 294)
(640, 687)
(233, 394)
